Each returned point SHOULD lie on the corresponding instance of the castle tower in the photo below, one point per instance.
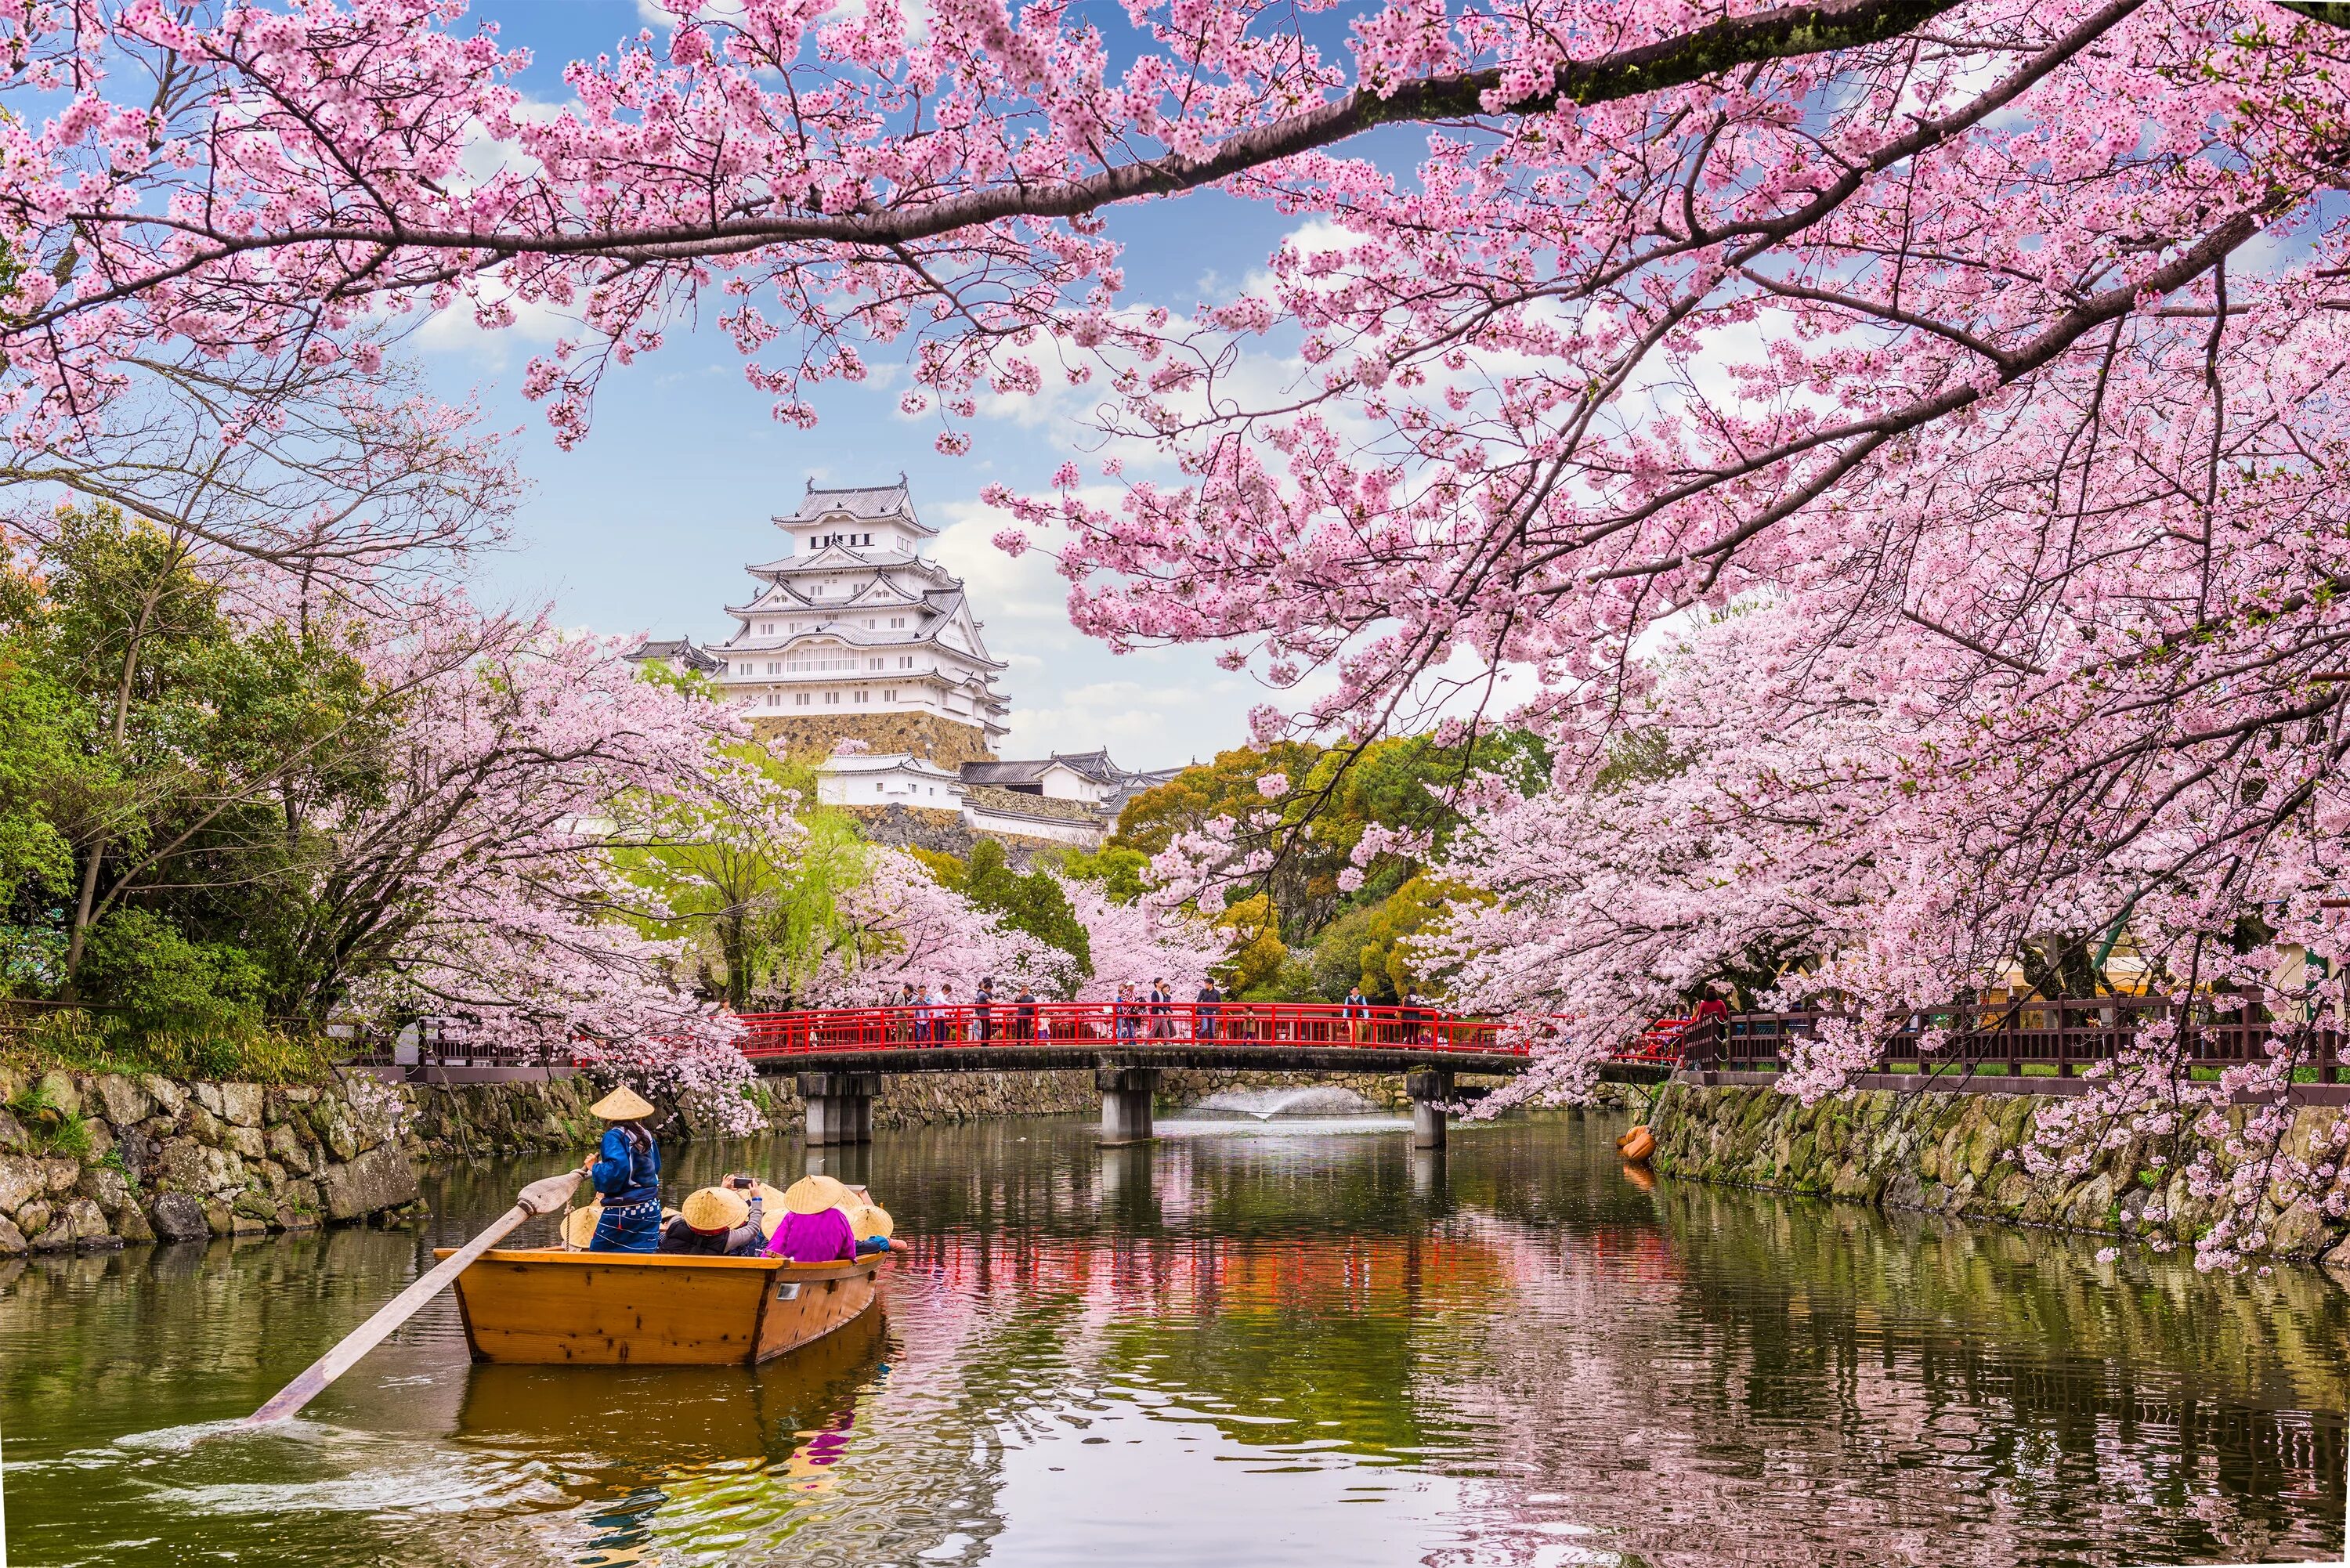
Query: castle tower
(856, 633)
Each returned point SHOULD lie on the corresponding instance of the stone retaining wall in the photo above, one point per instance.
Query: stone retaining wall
(115, 1159)
(1948, 1153)
(101, 1162)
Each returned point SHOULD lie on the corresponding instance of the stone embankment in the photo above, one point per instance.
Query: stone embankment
(91, 1162)
(1953, 1154)
(101, 1162)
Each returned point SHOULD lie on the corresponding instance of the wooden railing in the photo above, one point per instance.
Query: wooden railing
(2055, 1037)
(444, 1043)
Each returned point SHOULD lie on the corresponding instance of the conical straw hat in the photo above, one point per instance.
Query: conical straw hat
(868, 1222)
(814, 1194)
(770, 1206)
(580, 1226)
(622, 1104)
(713, 1210)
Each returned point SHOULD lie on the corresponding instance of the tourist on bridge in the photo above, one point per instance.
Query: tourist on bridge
(944, 1029)
(1163, 1010)
(1357, 1011)
(1417, 1026)
(983, 1009)
(1204, 1016)
(1129, 1012)
(626, 1170)
(1024, 1013)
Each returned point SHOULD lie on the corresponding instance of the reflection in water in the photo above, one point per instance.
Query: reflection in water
(1428, 1174)
(1268, 1349)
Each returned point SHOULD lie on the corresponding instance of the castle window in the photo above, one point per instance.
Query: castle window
(766, 629)
(906, 661)
(774, 667)
(801, 700)
(872, 664)
(890, 695)
(868, 626)
(773, 700)
(832, 699)
(862, 694)
(897, 621)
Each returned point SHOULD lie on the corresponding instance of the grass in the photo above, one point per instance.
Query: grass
(77, 1042)
(54, 1130)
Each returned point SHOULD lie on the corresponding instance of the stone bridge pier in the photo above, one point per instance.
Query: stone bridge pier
(1429, 1090)
(839, 1106)
(1127, 1093)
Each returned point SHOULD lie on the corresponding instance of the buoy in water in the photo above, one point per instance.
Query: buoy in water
(1636, 1145)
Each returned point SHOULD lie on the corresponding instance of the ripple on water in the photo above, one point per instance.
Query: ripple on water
(1283, 1348)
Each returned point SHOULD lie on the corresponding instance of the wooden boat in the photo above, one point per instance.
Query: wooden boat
(669, 1416)
(543, 1307)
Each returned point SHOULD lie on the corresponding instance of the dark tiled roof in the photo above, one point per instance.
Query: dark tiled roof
(858, 501)
(678, 651)
(1003, 773)
(1011, 803)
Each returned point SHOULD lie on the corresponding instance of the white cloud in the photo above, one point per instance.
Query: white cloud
(454, 332)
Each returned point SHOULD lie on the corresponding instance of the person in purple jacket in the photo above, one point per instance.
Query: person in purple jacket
(815, 1227)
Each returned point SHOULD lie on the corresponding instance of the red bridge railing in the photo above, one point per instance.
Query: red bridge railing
(1320, 1026)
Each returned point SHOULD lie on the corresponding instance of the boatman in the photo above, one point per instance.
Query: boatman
(625, 1169)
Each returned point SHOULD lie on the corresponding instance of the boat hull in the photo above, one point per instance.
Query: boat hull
(550, 1308)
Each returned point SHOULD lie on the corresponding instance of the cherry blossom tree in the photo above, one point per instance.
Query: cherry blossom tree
(344, 471)
(483, 886)
(1141, 941)
(908, 927)
(1988, 353)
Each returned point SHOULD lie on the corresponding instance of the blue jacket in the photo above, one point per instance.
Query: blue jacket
(628, 1165)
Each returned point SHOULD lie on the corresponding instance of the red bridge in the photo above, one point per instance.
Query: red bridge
(840, 1054)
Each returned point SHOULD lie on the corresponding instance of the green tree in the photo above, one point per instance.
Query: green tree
(756, 882)
(184, 761)
(1332, 796)
(1259, 968)
(1033, 903)
(1120, 871)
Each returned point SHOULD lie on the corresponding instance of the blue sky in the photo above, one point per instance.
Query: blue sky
(647, 524)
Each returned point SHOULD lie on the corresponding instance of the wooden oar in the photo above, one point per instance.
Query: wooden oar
(538, 1198)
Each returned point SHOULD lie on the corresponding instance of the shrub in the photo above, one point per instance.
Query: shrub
(138, 962)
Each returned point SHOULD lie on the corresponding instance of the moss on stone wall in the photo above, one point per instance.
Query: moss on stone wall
(1950, 1154)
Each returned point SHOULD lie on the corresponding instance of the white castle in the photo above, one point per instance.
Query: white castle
(856, 635)
(857, 619)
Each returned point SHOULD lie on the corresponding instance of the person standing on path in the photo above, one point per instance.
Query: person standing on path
(626, 1170)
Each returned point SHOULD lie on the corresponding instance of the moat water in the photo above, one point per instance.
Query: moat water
(1255, 1346)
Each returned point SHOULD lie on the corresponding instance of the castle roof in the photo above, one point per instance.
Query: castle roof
(862, 501)
(678, 651)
